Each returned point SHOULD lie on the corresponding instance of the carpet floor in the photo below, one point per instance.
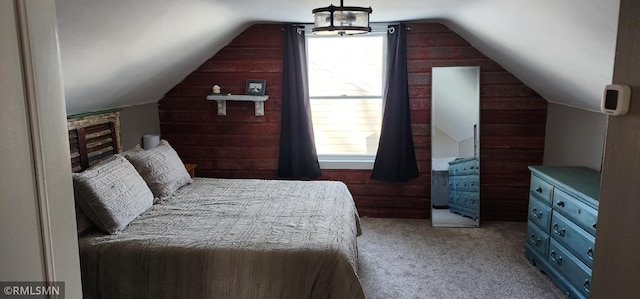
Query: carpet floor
(407, 258)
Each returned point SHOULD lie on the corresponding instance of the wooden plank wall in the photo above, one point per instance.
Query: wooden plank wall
(242, 145)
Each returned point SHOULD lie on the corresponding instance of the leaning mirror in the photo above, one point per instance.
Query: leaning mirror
(455, 145)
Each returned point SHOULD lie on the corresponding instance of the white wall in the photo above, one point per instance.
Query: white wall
(574, 137)
(465, 148)
(37, 220)
(443, 145)
(136, 121)
(616, 266)
(21, 249)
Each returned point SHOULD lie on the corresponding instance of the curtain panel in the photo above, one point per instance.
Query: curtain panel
(396, 159)
(298, 157)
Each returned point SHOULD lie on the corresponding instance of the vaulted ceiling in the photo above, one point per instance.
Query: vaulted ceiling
(126, 52)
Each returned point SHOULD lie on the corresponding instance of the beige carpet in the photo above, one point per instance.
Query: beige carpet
(407, 258)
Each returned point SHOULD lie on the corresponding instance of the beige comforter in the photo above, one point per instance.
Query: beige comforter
(226, 238)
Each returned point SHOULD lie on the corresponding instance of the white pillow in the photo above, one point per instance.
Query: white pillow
(112, 194)
(161, 168)
(83, 223)
(135, 149)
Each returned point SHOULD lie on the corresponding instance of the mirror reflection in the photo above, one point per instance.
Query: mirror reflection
(455, 131)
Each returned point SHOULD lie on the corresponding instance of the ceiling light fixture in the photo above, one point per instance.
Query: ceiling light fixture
(341, 20)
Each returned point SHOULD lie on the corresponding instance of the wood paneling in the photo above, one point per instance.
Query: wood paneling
(512, 118)
(239, 144)
(242, 145)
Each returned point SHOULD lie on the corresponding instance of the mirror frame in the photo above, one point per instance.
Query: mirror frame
(464, 221)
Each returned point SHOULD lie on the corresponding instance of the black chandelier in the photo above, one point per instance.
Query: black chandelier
(341, 20)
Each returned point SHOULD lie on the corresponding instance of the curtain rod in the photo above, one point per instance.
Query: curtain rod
(390, 30)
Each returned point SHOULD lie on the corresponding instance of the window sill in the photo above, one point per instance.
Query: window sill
(346, 164)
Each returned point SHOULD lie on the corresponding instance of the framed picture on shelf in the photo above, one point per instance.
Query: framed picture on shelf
(255, 87)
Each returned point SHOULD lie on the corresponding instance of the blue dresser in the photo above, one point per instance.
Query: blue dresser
(464, 187)
(561, 228)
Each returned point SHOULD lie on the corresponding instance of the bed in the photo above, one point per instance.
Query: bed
(440, 182)
(211, 238)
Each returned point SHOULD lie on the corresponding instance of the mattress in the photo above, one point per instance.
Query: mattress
(440, 189)
(231, 238)
(441, 164)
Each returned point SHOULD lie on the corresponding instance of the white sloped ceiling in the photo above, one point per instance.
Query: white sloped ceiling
(125, 52)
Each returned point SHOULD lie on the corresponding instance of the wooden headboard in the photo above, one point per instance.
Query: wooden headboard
(93, 138)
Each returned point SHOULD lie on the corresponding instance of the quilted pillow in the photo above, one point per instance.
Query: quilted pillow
(112, 194)
(133, 150)
(83, 222)
(161, 168)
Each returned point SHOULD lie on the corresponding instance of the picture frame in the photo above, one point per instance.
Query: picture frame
(255, 87)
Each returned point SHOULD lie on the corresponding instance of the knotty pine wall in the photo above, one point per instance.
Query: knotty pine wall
(242, 145)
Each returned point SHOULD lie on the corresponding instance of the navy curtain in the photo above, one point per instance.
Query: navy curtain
(298, 158)
(396, 158)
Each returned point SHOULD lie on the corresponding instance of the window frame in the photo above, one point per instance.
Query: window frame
(353, 161)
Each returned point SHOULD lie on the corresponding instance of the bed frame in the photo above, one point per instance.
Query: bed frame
(93, 138)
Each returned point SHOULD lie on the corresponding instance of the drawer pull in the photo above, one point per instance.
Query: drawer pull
(536, 213)
(558, 232)
(594, 226)
(534, 239)
(590, 253)
(587, 285)
(557, 260)
(561, 204)
(539, 190)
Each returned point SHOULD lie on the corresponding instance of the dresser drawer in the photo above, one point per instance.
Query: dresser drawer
(471, 199)
(465, 183)
(457, 183)
(539, 213)
(454, 182)
(537, 239)
(575, 210)
(455, 169)
(573, 269)
(465, 198)
(453, 198)
(464, 167)
(574, 238)
(462, 183)
(541, 189)
(474, 182)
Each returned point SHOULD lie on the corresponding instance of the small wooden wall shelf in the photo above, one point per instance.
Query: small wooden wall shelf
(222, 102)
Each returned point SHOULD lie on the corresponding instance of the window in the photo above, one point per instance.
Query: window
(346, 75)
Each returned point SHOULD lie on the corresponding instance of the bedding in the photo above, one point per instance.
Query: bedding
(441, 164)
(111, 194)
(440, 182)
(232, 238)
(440, 189)
(83, 223)
(161, 168)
